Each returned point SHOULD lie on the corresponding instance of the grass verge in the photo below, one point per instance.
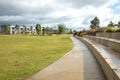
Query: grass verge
(22, 56)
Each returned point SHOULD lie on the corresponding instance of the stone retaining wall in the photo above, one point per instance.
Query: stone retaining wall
(106, 64)
(109, 35)
(113, 44)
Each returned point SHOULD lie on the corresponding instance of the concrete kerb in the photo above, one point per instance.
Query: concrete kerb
(108, 67)
(117, 77)
(106, 42)
(109, 35)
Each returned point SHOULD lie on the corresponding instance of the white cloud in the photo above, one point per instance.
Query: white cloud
(9, 18)
(118, 7)
(74, 13)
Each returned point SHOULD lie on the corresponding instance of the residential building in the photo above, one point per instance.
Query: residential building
(20, 30)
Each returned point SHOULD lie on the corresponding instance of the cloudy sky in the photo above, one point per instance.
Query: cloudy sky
(75, 14)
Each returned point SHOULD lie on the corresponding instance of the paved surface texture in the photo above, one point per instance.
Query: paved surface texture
(78, 64)
(114, 56)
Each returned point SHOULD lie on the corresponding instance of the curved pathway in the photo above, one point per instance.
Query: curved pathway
(78, 64)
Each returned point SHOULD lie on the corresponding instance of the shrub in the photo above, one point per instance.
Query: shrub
(75, 33)
(109, 29)
(117, 30)
(79, 33)
(91, 32)
(99, 30)
(83, 33)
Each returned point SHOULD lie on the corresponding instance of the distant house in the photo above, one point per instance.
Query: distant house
(20, 30)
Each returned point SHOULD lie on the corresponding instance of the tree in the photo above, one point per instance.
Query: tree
(38, 29)
(119, 24)
(31, 29)
(7, 28)
(92, 26)
(61, 28)
(43, 31)
(111, 24)
(70, 31)
(95, 23)
(17, 28)
(48, 31)
(55, 30)
(25, 29)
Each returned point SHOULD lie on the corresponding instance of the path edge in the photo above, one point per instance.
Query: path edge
(108, 67)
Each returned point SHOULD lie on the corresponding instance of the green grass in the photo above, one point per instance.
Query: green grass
(21, 56)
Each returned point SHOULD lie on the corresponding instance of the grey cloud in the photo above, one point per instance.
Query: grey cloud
(28, 14)
(33, 11)
(36, 19)
(82, 3)
(13, 22)
(87, 19)
(55, 20)
(13, 8)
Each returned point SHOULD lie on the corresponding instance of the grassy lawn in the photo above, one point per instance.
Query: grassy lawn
(21, 56)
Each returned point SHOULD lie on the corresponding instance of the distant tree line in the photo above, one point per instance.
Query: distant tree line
(95, 23)
(95, 28)
(40, 30)
(61, 29)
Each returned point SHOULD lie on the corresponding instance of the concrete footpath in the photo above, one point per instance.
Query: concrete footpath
(78, 64)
